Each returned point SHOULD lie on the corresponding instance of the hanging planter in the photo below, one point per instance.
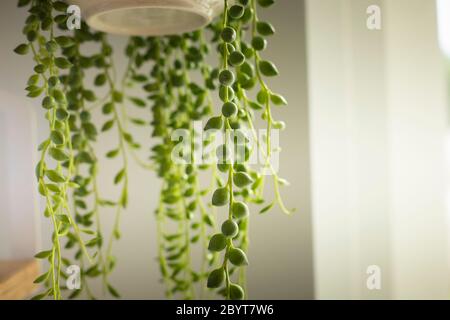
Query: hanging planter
(168, 48)
(149, 17)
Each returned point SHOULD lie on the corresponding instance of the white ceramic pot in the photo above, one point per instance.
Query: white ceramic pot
(148, 17)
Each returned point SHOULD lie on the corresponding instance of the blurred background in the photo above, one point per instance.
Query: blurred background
(366, 150)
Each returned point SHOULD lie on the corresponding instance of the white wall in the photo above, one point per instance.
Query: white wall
(418, 127)
(378, 123)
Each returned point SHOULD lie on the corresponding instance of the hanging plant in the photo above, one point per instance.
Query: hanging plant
(166, 71)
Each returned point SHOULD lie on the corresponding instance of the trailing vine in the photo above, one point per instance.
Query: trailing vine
(177, 88)
(83, 133)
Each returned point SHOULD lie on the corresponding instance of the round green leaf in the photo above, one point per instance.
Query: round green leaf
(226, 77)
(229, 109)
(280, 125)
(48, 103)
(65, 42)
(62, 63)
(236, 58)
(228, 34)
(226, 93)
(57, 137)
(236, 292)
(58, 154)
(237, 257)
(214, 123)
(220, 197)
(54, 176)
(259, 43)
(236, 11)
(278, 99)
(216, 278)
(22, 49)
(242, 179)
(217, 243)
(230, 229)
(62, 114)
(267, 68)
(265, 28)
(240, 210)
(266, 3)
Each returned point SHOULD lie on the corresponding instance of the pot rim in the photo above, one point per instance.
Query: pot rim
(196, 14)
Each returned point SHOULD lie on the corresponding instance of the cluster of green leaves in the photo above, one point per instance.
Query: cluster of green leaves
(229, 48)
(265, 98)
(163, 67)
(83, 134)
(243, 70)
(175, 101)
(70, 187)
(57, 166)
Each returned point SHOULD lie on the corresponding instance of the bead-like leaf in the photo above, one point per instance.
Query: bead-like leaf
(267, 208)
(236, 292)
(267, 68)
(242, 179)
(278, 99)
(62, 63)
(237, 257)
(265, 28)
(108, 125)
(113, 291)
(113, 153)
(65, 42)
(220, 197)
(22, 49)
(240, 210)
(217, 243)
(57, 137)
(43, 254)
(41, 278)
(216, 278)
(119, 176)
(54, 176)
(58, 154)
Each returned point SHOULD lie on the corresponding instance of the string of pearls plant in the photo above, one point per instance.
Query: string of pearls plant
(177, 86)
